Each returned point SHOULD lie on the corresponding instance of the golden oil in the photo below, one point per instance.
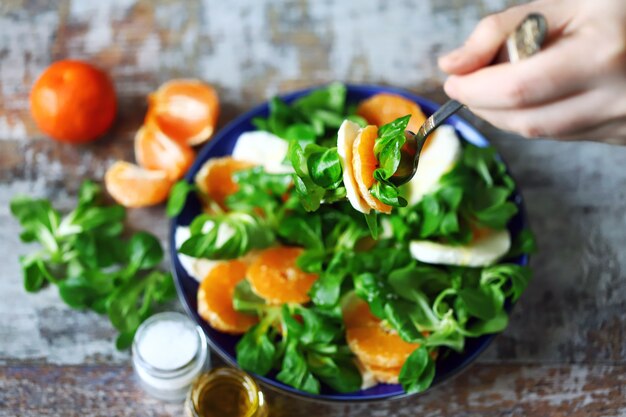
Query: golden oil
(225, 392)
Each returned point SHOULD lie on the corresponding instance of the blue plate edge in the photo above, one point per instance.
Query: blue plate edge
(456, 121)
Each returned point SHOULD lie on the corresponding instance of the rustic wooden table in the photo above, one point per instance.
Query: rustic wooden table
(564, 353)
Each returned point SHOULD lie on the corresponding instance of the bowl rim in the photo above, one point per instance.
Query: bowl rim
(204, 154)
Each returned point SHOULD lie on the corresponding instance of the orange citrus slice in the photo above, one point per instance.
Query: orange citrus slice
(185, 110)
(384, 108)
(371, 340)
(386, 375)
(156, 151)
(274, 276)
(364, 163)
(133, 186)
(345, 143)
(215, 298)
(215, 178)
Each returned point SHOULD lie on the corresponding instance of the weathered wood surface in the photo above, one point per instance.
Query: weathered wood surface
(564, 352)
(497, 390)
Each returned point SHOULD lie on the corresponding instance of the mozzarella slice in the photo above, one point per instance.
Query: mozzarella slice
(480, 252)
(439, 157)
(345, 140)
(224, 233)
(387, 228)
(196, 267)
(264, 149)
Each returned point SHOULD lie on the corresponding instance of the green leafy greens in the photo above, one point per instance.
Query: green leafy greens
(178, 196)
(314, 117)
(310, 125)
(307, 344)
(318, 173)
(387, 148)
(438, 307)
(475, 194)
(84, 254)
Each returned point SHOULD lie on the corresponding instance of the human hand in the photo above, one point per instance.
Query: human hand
(574, 88)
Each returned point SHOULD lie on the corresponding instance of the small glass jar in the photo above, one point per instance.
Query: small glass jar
(169, 352)
(225, 392)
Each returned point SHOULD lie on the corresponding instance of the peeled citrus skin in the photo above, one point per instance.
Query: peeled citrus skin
(72, 101)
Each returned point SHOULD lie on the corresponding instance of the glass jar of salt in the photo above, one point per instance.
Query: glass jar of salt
(169, 352)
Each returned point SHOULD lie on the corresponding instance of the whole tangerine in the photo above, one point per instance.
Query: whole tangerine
(73, 101)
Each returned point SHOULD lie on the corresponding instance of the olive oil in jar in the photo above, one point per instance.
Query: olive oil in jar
(225, 392)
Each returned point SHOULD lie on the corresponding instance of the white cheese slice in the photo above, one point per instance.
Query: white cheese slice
(345, 140)
(386, 228)
(368, 380)
(264, 149)
(196, 267)
(480, 252)
(441, 155)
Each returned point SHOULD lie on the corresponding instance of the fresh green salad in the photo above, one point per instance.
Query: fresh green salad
(436, 270)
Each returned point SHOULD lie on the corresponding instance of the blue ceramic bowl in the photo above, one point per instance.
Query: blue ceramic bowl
(222, 144)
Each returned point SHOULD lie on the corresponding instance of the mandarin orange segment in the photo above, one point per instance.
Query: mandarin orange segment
(364, 152)
(373, 342)
(133, 186)
(386, 375)
(357, 313)
(377, 345)
(215, 298)
(275, 277)
(215, 178)
(365, 163)
(384, 108)
(186, 110)
(156, 151)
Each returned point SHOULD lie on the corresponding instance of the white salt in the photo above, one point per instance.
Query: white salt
(168, 345)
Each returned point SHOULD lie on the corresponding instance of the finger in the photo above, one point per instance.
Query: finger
(613, 132)
(557, 119)
(546, 76)
(483, 44)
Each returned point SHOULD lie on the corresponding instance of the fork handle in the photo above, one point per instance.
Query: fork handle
(436, 119)
(527, 39)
